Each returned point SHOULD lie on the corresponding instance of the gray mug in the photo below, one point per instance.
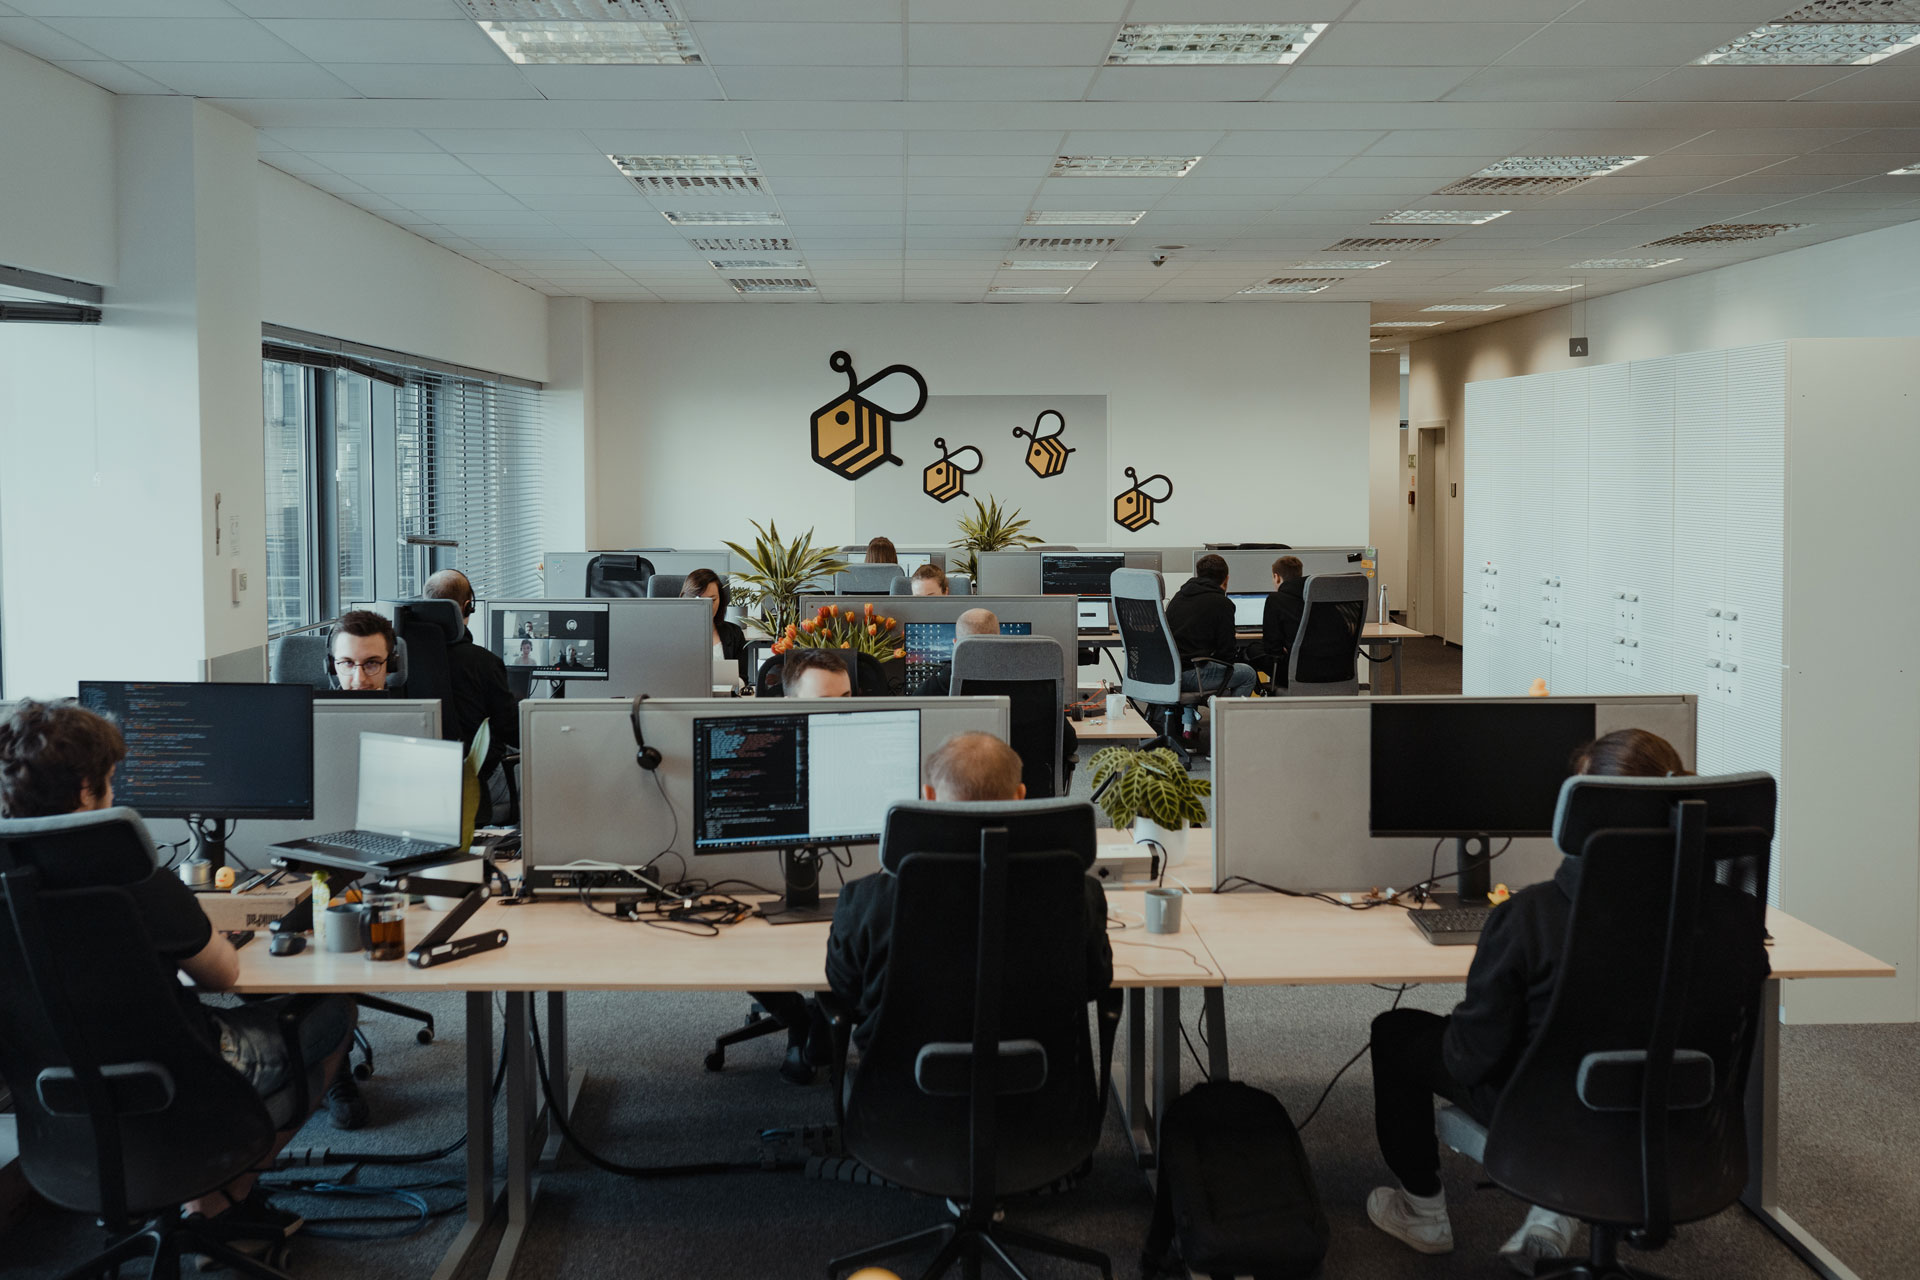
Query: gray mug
(1163, 910)
(346, 927)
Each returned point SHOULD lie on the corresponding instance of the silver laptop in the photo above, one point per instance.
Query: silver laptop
(1249, 611)
(1096, 615)
(408, 809)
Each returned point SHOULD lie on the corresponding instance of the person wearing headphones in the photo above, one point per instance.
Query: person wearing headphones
(360, 651)
(480, 694)
(729, 641)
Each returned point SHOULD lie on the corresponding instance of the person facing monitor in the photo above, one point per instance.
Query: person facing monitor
(1280, 623)
(974, 622)
(816, 673)
(360, 651)
(729, 641)
(967, 767)
(480, 693)
(59, 758)
(1201, 619)
(524, 658)
(929, 580)
(880, 551)
(1468, 1056)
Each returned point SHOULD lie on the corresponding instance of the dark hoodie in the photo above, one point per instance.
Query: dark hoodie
(1201, 617)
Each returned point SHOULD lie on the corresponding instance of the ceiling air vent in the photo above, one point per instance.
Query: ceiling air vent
(743, 244)
(1725, 232)
(1066, 244)
(1369, 244)
(772, 285)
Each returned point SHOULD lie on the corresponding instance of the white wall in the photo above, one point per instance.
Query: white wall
(1386, 476)
(332, 269)
(1258, 413)
(56, 171)
(568, 406)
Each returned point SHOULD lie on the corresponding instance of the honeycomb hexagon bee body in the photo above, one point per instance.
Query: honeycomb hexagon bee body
(946, 479)
(853, 435)
(1133, 507)
(1046, 455)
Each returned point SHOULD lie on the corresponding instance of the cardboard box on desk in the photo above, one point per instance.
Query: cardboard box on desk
(256, 908)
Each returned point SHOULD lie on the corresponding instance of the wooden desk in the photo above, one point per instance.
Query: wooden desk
(1130, 727)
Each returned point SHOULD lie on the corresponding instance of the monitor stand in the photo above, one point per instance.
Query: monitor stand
(801, 904)
(198, 871)
(1472, 878)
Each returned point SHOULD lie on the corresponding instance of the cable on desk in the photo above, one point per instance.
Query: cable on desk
(1200, 967)
(557, 1112)
(1406, 899)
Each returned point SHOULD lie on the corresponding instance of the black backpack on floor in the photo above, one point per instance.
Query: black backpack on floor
(1235, 1190)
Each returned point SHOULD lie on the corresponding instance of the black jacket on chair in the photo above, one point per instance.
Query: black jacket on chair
(1201, 618)
(1280, 623)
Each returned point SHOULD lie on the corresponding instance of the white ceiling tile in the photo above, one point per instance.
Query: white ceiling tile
(506, 142)
(1032, 167)
(355, 163)
(1614, 44)
(1416, 44)
(1552, 84)
(114, 78)
(1727, 142)
(808, 84)
(998, 84)
(824, 10)
(832, 186)
(777, 167)
(236, 40)
(528, 164)
(1894, 81)
(370, 139)
(791, 205)
(971, 200)
(1729, 84)
(801, 44)
(1296, 142)
(245, 80)
(1368, 84)
(427, 43)
(449, 83)
(440, 201)
(822, 142)
(30, 35)
(666, 142)
(124, 8)
(1234, 11)
(1457, 143)
(1018, 10)
(1184, 84)
(390, 10)
(938, 142)
(440, 184)
(609, 184)
(623, 83)
(1025, 44)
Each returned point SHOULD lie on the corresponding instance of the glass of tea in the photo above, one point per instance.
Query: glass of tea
(386, 925)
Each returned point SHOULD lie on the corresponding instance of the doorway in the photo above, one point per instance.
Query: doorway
(1433, 585)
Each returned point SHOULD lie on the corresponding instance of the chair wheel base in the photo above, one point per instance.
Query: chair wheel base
(362, 1072)
(424, 1035)
(715, 1061)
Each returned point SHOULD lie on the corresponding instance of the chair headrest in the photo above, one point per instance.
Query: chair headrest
(443, 614)
(1138, 584)
(930, 826)
(1333, 588)
(83, 850)
(1589, 803)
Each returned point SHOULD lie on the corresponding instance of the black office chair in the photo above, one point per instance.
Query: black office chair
(1327, 645)
(124, 1112)
(618, 575)
(665, 586)
(1031, 671)
(302, 659)
(1628, 1109)
(428, 627)
(1152, 673)
(978, 1081)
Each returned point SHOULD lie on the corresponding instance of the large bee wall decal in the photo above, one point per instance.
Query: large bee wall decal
(854, 434)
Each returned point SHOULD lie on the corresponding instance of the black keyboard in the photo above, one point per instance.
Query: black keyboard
(374, 845)
(1451, 925)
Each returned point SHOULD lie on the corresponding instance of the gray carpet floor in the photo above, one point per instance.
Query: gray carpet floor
(1850, 1111)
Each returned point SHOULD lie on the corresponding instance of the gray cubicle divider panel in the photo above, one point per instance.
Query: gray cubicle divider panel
(662, 648)
(337, 726)
(1291, 780)
(1008, 573)
(1056, 616)
(582, 796)
(1253, 570)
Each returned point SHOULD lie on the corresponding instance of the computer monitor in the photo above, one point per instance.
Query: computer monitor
(211, 751)
(1249, 610)
(930, 644)
(1079, 574)
(911, 560)
(1471, 770)
(560, 643)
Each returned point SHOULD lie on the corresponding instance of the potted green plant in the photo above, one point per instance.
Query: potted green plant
(775, 573)
(1152, 792)
(990, 528)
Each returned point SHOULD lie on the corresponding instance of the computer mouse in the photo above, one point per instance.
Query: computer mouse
(287, 944)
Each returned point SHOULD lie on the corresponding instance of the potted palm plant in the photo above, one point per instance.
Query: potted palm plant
(1152, 792)
(990, 528)
(776, 572)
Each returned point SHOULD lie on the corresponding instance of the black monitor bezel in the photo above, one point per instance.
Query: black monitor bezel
(496, 623)
(300, 693)
(1047, 557)
(1436, 832)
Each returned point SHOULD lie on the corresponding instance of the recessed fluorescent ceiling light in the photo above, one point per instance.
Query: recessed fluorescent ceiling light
(1084, 217)
(1461, 217)
(1532, 288)
(1538, 174)
(1122, 166)
(571, 10)
(744, 244)
(1612, 264)
(686, 166)
(1025, 288)
(1406, 324)
(721, 218)
(1049, 264)
(1895, 173)
(1363, 243)
(1300, 284)
(1836, 33)
(1725, 232)
(750, 264)
(1160, 44)
(1065, 244)
(1341, 264)
(772, 286)
(1467, 306)
(595, 43)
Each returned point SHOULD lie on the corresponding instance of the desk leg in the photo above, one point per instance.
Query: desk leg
(1133, 1083)
(523, 1142)
(1762, 1197)
(1166, 1055)
(1396, 664)
(555, 1038)
(1214, 1010)
(481, 1202)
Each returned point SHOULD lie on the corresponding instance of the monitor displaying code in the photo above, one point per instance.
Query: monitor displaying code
(210, 750)
(777, 782)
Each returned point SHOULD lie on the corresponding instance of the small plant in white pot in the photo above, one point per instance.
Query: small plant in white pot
(1152, 791)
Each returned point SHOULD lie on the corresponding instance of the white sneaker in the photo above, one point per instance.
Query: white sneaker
(1424, 1230)
(1544, 1234)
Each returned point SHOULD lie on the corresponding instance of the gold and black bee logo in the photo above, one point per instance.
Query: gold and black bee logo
(947, 478)
(1133, 509)
(853, 435)
(1046, 455)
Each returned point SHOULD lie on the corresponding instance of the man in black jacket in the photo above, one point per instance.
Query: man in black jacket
(1281, 621)
(970, 766)
(1201, 618)
(480, 693)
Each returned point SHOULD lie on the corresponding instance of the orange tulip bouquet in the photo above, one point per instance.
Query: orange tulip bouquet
(866, 631)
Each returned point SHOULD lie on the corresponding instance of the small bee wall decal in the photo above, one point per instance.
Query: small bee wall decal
(947, 479)
(853, 435)
(1133, 509)
(1047, 455)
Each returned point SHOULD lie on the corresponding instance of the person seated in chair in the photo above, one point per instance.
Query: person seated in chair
(59, 758)
(1280, 623)
(816, 673)
(984, 622)
(929, 580)
(1468, 1056)
(1201, 619)
(480, 692)
(968, 766)
(729, 641)
(360, 651)
(880, 551)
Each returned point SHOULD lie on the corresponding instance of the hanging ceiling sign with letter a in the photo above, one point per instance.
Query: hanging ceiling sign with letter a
(854, 434)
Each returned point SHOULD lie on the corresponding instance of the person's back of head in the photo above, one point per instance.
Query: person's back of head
(1289, 569)
(977, 622)
(451, 584)
(880, 551)
(1630, 753)
(55, 758)
(974, 766)
(816, 673)
(929, 580)
(360, 650)
(1211, 568)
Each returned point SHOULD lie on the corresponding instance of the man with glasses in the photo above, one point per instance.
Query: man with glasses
(360, 651)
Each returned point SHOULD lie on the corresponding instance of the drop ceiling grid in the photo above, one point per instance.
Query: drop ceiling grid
(508, 163)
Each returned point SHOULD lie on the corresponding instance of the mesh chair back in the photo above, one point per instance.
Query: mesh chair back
(867, 579)
(124, 1108)
(900, 587)
(428, 627)
(959, 584)
(618, 576)
(299, 659)
(1153, 660)
(1031, 672)
(1665, 952)
(665, 586)
(1328, 642)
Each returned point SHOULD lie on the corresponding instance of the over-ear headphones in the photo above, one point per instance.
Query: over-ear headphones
(646, 757)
